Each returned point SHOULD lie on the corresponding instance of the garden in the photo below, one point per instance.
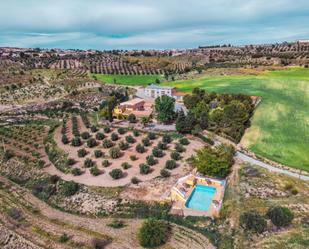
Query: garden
(110, 156)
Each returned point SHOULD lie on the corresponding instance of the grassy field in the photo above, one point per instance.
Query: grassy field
(127, 79)
(280, 126)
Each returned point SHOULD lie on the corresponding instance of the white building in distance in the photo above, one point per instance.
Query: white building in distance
(154, 91)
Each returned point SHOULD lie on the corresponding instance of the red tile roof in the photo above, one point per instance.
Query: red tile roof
(179, 93)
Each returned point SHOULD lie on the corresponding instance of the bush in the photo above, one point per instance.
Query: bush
(132, 118)
(54, 179)
(81, 153)
(162, 146)
(294, 191)
(42, 189)
(105, 163)
(135, 133)
(75, 126)
(114, 136)
(288, 186)
(184, 141)
(157, 152)
(133, 158)
(140, 148)
(280, 216)
(125, 165)
(151, 136)
(91, 143)
(41, 163)
(85, 119)
(76, 142)
(8, 154)
(70, 162)
(85, 135)
(251, 220)
(116, 224)
(164, 173)
(121, 130)
(107, 143)
(130, 139)
(135, 180)
(88, 163)
(170, 164)
(65, 139)
(14, 213)
(64, 238)
(76, 172)
(116, 173)
(94, 129)
(179, 148)
(69, 188)
(95, 171)
(98, 153)
(123, 145)
(107, 129)
(150, 160)
(114, 153)
(205, 139)
(166, 138)
(175, 155)
(152, 233)
(99, 136)
(146, 141)
(144, 169)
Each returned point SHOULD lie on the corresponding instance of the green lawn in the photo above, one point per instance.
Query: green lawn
(127, 79)
(280, 126)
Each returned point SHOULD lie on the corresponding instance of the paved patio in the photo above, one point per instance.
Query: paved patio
(182, 190)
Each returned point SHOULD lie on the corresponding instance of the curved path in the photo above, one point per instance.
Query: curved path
(251, 160)
(242, 156)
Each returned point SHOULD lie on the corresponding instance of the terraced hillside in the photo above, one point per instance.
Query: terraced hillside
(28, 223)
(162, 62)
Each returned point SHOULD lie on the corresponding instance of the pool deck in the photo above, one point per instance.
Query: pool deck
(182, 190)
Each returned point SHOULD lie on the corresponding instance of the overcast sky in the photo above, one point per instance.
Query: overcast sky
(144, 24)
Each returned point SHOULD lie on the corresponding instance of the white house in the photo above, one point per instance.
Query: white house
(154, 91)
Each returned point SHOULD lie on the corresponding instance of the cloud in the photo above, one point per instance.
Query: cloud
(107, 24)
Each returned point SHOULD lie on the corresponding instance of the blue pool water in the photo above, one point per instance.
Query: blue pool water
(201, 197)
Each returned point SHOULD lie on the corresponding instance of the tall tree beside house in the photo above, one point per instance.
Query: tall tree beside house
(181, 122)
(104, 112)
(190, 122)
(165, 108)
(111, 103)
(203, 120)
(185, 124)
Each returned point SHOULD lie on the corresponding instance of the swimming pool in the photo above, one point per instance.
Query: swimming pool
(201, 197)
